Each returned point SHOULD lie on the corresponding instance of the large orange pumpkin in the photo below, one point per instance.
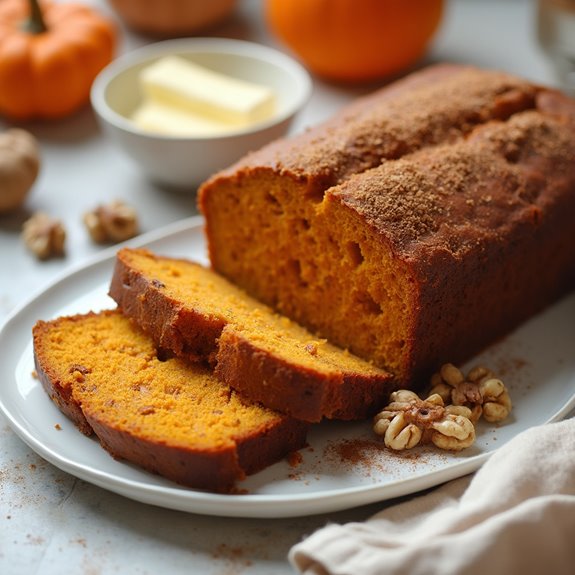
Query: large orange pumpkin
(49, 55)
(355, 40)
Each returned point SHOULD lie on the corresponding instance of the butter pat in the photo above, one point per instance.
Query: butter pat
(180, 84)
(161, 119)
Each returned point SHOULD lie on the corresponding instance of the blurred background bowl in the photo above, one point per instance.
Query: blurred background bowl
(184, 162)
(171, 18)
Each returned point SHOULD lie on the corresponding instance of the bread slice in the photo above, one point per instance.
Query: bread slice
(163, 415)
(196, 314)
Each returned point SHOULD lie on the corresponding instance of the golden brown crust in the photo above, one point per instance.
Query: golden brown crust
(142, 288)
(58, 391)
(171, 419)
(210, 470)
(438, 104)
(173, 327)
(495, 179)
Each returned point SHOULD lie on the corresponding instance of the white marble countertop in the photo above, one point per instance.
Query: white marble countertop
(51, 522)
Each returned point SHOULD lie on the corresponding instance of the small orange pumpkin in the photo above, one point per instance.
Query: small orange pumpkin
(50, 54)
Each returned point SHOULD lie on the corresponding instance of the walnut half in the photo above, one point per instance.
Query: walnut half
(44, 236)
(481, 391)
(111, 223)
(409, 420)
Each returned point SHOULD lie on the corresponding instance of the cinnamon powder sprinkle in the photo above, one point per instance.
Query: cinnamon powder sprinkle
(363, 456)
(354, 451)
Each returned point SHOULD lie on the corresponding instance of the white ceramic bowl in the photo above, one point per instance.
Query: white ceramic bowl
(184, 162)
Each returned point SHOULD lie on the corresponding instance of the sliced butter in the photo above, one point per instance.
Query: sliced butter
(175, 82)
(161, 119)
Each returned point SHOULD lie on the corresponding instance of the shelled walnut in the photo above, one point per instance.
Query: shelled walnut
(481, 391)
(112, 223)
(44, 236)
(409, 420)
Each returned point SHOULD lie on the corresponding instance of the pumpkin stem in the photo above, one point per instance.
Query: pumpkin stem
(35, 23)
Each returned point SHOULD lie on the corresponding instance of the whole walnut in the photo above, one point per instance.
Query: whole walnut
(19, 167)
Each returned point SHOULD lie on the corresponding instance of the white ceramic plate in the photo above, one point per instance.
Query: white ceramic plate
(344, 465)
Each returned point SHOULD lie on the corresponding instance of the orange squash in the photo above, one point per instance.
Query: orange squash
(355, 40)
(49, 55)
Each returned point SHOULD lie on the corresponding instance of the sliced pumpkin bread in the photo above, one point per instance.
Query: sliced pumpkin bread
(197, 314)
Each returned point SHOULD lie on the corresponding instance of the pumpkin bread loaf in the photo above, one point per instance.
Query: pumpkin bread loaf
(417, 226)
(168, 417)
(196, 314)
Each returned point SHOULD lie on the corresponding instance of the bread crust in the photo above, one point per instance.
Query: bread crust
(296, 390)
(58, 390)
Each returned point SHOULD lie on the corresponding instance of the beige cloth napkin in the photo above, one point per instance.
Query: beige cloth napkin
(515, 515)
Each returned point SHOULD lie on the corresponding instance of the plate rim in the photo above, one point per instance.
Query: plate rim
(204, 502)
